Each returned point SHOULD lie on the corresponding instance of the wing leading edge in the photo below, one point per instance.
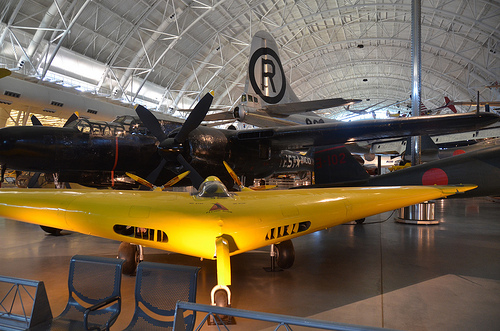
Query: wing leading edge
(304, 136)
(174, 221)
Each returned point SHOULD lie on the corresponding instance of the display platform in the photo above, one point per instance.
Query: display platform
(381, 273)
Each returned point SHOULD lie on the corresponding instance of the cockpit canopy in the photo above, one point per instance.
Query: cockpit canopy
(121, 126)
(212, 187)
(98, 128)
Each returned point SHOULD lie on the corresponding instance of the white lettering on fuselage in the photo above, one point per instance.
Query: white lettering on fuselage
(291, 161)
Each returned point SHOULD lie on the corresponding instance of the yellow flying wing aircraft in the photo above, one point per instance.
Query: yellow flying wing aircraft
(213, 223)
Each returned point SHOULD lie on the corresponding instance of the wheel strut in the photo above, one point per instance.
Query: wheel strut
(274, 267)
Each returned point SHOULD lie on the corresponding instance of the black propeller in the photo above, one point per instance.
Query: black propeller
(35, 121)
(174, 145)
(71, 119)
(153, 176)
(195, 177)
(195, 117)
(171, 148)
(150, 122)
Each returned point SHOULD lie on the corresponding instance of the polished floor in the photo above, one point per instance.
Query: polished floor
(382, 273)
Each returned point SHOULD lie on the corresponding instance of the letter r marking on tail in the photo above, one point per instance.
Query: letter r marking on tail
(267, 73)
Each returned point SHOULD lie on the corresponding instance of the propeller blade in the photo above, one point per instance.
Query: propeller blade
(35, 121)
(4, 72)
(175, 180)
(71, 119)
(233, 175)
(33, 182)
(2, 174)
(140, 180)
(195, 118)
(144, 182)
(153, 176)
(151, 122)
(195, 177)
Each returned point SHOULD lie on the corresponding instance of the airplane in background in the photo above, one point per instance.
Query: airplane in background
(477, 104)
(88, 152)
(335, 166)
(45, 98)
(424, 110)
(4, 72)
(92, 155)
(472, 103)
(269, 100)
(212, 223)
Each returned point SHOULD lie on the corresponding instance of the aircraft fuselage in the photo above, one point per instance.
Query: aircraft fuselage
(49, 149)
(72, 153)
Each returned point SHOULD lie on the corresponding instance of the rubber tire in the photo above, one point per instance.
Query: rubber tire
(360, 221)
(50, 230)
(285, 254)
(220, 298)
(129, 253)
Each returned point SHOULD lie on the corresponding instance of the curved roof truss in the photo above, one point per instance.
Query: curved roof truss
(167, 52)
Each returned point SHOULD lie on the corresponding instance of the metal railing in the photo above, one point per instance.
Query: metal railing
(286, 321)
(23, 303)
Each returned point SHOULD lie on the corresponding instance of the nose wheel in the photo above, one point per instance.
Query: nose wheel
(221, 297)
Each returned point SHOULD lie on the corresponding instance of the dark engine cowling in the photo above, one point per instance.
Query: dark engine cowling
(207, 149)
(239, 113)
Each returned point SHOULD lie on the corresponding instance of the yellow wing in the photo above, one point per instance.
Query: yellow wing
(189, 224)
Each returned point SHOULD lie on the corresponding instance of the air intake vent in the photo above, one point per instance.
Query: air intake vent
(57, 103)
(12, 94)
(92, 111)
(5, 102)
(52, 111)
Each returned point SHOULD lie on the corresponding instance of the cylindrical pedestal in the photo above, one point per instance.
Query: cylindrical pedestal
(422, 213)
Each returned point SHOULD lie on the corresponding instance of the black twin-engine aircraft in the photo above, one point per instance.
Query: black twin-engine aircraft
(94, 153)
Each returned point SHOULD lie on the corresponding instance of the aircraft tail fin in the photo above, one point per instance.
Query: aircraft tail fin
(336, 165)
(266, 77)
(449, 104)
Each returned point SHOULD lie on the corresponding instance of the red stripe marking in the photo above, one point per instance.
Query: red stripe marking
(116, 161)
(458, 152)
(330, 149)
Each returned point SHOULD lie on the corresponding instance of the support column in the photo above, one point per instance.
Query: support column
(416, 75)
(422, 213)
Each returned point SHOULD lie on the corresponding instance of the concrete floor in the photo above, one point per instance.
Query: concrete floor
(382, 273)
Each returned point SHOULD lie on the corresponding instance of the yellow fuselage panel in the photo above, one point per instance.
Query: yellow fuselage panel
(192, 224)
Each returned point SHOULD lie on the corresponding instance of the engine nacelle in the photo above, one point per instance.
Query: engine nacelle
(239, 113)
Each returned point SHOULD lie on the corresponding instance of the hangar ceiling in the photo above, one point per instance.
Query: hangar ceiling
(166, 52)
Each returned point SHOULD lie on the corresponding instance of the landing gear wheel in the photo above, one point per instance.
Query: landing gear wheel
(221, 297)
(285, 254)
(130, 254)
(52, 231)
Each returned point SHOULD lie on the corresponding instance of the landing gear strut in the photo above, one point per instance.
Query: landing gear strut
(132, 254)
(282, 256)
